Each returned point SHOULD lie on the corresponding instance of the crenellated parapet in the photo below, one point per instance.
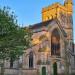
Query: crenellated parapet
(55, 10)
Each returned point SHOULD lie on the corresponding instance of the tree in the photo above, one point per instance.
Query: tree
(13, 38)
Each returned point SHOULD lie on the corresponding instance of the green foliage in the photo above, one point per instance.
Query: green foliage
(13, 39)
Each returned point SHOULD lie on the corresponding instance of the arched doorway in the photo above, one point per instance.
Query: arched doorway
(55, 43)
(55, 68)
(31, 59)
(43, 70)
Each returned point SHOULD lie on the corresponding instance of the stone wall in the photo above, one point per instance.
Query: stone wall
(20, 71)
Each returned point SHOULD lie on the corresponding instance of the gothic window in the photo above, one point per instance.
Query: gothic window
(11, 62)
(31, 59)
(55, 43)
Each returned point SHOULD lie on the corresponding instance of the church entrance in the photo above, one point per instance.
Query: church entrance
(43, 70)
(55, 69)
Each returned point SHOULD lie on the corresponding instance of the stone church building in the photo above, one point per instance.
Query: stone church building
(52, 40)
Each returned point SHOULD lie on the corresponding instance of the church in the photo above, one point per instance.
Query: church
(52, 44)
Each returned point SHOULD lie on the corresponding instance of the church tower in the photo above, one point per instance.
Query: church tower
(69, 27)
(63, 13)
(51, 52)
(68, 4)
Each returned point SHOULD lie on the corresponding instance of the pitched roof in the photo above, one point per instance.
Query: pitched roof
(41, 24)
(45, 23)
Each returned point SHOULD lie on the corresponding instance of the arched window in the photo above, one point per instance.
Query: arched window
(11, 62)
(31, 59)
(55, 43)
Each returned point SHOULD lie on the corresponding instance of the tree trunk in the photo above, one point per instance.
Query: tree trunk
(2, 68)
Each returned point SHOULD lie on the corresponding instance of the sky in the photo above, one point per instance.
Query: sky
(28, 12)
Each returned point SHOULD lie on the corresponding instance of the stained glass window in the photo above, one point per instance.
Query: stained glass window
(55, 43)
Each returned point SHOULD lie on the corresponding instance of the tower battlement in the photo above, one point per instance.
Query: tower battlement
(55, 9)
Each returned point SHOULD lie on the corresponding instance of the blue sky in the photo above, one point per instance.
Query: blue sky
(29, 11)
